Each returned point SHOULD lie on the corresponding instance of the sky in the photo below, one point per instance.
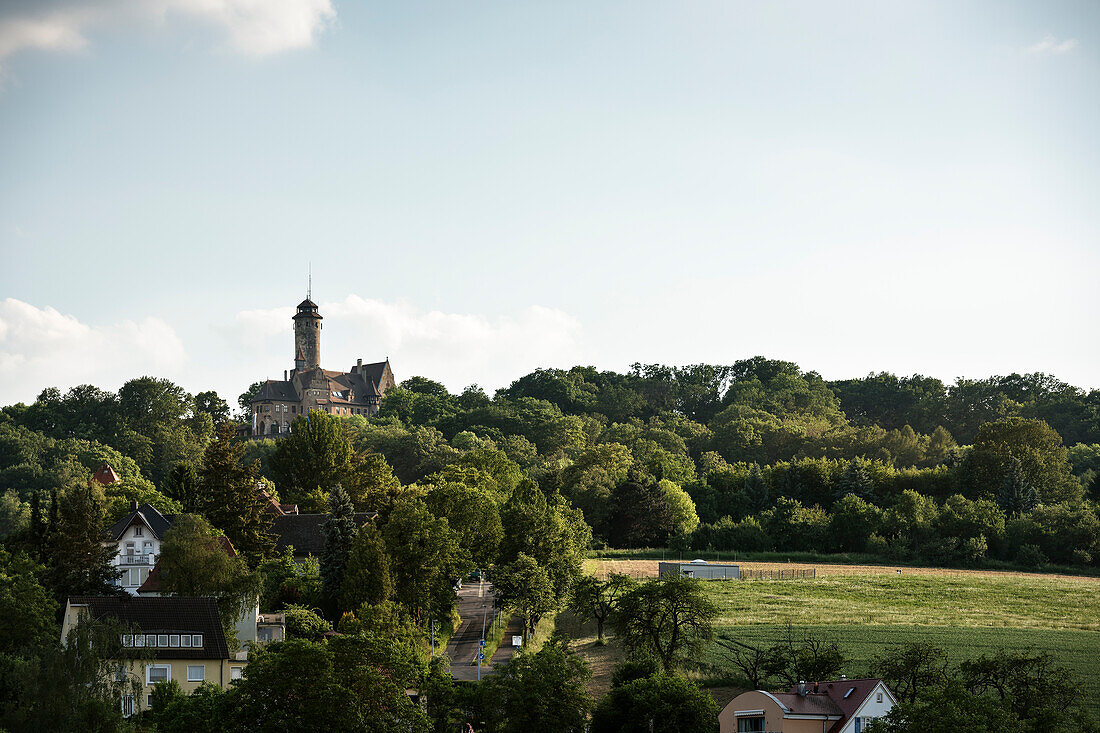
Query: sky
(481, 189)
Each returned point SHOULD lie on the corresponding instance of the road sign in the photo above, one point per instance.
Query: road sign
(481, 656)
(481, 643)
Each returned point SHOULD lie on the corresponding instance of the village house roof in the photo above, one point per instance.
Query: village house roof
(165, 615)
(303, 531)
(146, 514)
(845, 695)
(105, 475)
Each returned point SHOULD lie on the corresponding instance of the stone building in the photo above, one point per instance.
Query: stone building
(307, 386)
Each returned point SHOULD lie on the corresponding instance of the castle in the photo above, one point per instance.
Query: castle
(309, 387)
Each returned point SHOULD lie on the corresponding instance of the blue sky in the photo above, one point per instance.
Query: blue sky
(483, 188)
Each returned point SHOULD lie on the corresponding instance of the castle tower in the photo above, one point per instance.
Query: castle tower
(307, 336)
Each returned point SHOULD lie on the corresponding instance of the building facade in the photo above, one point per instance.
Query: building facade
(138, 537)
(308, 386)
(836, 706)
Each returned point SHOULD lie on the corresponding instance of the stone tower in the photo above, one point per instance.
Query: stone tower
(307, 336)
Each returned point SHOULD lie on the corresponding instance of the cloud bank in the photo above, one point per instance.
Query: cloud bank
(1051, 46)
(458, 349)
(250, 27)
(41, 347)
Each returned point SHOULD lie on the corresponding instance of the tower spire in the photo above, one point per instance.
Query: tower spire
(309, 281)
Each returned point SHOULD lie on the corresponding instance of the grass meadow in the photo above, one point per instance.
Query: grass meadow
(867, 611)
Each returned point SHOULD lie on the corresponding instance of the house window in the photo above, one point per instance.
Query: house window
(196, 672)
(185, 641)
(196, 640)
(155, 673)
(173, 640)
(139, 531)
(750, 725)
(127, 705)
(150, 640)
(127, 640)
(139, 640)
(120, 673)
(149, 701)
(162, 640)
(878, 697)
(235, 673)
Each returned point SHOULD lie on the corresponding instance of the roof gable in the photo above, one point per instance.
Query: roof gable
(146, 515)
(165, 615)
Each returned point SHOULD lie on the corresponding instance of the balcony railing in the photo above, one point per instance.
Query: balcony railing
(137, 559)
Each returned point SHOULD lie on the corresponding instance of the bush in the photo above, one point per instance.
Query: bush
(1030, 556)
(302, 623)
(1082, 557)
(635, 667)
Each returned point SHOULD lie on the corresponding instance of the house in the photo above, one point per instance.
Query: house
(699, 569)
(251, 627)
(104, 476)
(138, 536)
(839, 706)
(303, 532)
(182, 635)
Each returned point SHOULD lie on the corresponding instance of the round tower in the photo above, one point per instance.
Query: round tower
(307, 336)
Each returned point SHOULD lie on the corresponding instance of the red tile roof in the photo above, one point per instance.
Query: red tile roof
(847, 695)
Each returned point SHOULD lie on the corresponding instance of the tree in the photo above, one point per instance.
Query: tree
(750, 660)
(473, 514)
(641, 515)
(946, 709)
(669, 617)
(855, 480)
(77, 561)
(756, 490)
(244, 401)
(196, 561)
(230, 500)
(339, 529)
(182, 485)
(662, 703)
(911, 669)
(524, 585)
(318, 454)
(426, 559)
(807, 656)
(1038, 448)
(213, 405)
(543, 692)
(597, 599)
(367, 578)
(1016, 495)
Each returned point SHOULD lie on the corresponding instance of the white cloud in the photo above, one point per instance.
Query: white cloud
(1051, 46)
(457, 349)
(251, 27)
(41, 347)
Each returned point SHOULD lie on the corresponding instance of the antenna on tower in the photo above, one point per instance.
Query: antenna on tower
(309, 282)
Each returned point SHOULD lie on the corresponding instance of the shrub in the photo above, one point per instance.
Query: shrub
(302, 623)
(1030, 556)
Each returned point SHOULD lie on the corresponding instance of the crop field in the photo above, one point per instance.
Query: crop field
(1077, 650)
(967, 614)
(868, 609)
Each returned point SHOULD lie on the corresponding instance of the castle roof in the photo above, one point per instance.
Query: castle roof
(274, 389)
(307, 309)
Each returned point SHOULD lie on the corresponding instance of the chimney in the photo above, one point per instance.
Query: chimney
(816, 690)
(358, 362)
(133, 505)
(802, 687)
(284, 375)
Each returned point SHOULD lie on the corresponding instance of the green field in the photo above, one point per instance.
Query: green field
(974, 600)
(967, 615)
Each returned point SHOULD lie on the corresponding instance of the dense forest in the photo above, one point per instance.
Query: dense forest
(758, 456)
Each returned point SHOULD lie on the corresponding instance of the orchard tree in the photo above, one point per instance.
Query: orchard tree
(671, 618)
(597, 599)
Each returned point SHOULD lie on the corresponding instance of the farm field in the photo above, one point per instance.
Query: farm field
(868, 609)
(1077, 650)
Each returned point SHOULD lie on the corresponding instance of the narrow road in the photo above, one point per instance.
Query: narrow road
(475, 601)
